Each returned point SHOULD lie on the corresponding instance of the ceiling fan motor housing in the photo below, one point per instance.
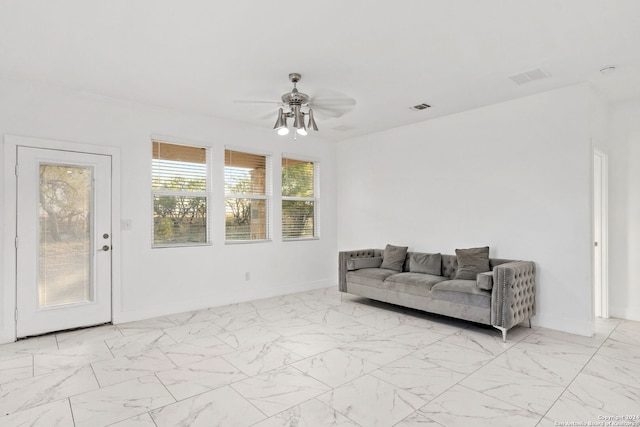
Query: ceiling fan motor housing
(295, 100)
(295, 97)
(295, 77)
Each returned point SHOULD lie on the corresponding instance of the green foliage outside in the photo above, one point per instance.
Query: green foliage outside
(298, 215)
(238, 217)
(65, 197)
(183, 218)
(180, 218)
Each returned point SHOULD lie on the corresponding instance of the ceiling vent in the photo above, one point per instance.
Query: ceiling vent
(420, 107)
(529, 76)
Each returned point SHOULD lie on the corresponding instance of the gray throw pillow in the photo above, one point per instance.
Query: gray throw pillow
(426, 263)
(484, 281)
(393, 257)
(471, 262)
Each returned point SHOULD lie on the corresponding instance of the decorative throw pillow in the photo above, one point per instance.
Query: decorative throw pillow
(358, 263)
(471, 262)
(393, 257)
(484, 281)
(426, 263)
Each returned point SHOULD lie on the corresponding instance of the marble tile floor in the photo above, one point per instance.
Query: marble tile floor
(319, 358)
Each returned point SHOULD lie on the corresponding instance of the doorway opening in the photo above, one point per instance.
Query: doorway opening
(60, 215)
(600, 234)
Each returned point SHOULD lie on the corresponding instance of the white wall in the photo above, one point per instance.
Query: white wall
(624, 210)
(515, 176)
(160, 281)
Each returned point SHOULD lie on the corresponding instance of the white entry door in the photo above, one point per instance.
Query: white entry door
(63, 240)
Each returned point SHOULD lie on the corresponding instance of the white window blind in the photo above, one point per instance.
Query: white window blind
(247, 196)
(180, 191)
(299, 199)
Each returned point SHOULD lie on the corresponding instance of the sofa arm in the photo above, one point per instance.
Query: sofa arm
(342, 263)
(513, 293)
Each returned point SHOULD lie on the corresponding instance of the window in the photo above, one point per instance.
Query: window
(299, 199)
(180, 187)
(247, 196)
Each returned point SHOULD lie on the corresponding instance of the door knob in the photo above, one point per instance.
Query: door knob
(104, 248)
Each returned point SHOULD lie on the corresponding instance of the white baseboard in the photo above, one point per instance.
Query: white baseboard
(6, 338)
(626, 313)
(216, 300)
(564, 324)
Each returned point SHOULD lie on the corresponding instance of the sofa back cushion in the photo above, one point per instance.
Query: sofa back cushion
(425, 263)
(449, 266)
(450, 263)
(447, 269)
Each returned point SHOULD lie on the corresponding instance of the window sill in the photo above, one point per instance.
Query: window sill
(246, 242)
(301, 239)
(179, 245)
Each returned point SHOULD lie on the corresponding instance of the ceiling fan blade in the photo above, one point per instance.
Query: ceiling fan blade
(270, 115)
(332, 104)
(328, 102)
(330, 112)
(256, 101)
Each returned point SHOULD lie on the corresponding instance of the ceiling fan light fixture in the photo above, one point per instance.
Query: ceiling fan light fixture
(312, 123)
(296, 100)
(296, 105)
(281, 121)
(298, 121)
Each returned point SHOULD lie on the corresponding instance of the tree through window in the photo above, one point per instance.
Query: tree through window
(299, 199)
(180, 187)
(247, 196)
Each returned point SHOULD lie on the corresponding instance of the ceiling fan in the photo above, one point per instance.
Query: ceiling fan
(294, 102)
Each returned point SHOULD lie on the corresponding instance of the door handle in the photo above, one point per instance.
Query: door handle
(104, 248)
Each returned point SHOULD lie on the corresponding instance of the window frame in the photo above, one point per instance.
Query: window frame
(315, 199)
(206, 194)
(267, 196)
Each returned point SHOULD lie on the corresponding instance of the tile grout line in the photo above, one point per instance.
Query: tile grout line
(361, 338)
(576, 376)
(73, 418)
(463, 373)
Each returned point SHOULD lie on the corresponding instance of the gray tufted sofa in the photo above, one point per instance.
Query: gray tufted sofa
(503, 297)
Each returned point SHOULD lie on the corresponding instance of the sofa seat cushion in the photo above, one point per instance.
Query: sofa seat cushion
(461, 292)
(412, 283)
(369, 276)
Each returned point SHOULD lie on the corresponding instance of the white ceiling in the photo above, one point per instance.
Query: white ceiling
(201, 55)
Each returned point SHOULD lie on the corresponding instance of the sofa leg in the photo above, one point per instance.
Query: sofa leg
(529, 322)
(504, 332)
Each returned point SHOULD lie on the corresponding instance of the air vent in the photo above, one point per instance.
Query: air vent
(529, 76)
(420, 107)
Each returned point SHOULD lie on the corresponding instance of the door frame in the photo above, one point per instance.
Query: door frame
(601, 221)
(11, 143)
